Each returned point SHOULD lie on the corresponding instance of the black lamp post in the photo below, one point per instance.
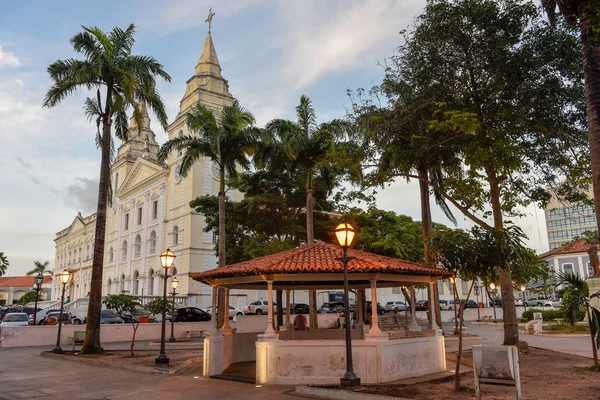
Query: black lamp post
(38, 286)
(493, 288)
(523, 297)
(345, 234)
(166, 259)
(174, 284)
(477, 287)
(456, 303)
(64, 278)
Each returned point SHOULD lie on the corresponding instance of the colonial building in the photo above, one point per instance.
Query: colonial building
(569, 258)
(150, 207)
(12, 288)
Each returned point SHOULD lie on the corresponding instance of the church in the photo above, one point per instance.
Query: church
(150, 209)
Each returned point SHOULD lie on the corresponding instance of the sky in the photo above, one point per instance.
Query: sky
(270, 51)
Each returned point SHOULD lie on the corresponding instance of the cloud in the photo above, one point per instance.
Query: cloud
(8, 59)
(83, 194)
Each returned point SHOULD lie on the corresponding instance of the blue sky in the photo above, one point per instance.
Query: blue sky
(270, 51)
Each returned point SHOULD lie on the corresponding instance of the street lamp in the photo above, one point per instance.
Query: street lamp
(166, 259)
(345, 234)
(493, 289)
(174, 284)
(523, 297)
(38, 286)
(64, 278)
(456, 303)
(476, 287)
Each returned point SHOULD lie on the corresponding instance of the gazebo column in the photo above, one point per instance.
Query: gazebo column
(414, 325)
(374, 332)
(213, 343)
(270, 330)
(226, 325)
(432, 307)
(288, 318)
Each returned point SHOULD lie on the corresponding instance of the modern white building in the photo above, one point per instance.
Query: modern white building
(566, 221)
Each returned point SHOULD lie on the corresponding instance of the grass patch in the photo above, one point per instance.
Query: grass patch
(566, 328)
(595, 368)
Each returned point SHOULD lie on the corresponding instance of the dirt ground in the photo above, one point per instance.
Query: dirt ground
(143, 357)
(544, 375)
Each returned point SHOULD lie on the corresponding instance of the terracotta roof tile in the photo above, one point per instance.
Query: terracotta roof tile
(318, 258)
(21, 281)
(580, 246)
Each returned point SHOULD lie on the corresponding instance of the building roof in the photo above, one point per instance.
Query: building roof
(579, 246)
(319, 258)
(21, 281)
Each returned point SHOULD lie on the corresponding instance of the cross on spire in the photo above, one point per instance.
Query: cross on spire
(209, 18)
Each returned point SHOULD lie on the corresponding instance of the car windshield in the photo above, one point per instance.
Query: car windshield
(389, 302)
(107, 314)
(15, 318)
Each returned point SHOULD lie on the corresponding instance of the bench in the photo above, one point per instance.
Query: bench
(77, 338)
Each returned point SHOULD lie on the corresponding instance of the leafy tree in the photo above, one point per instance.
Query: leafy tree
(127, 81)
(3, 263)
(585, 15)
(40, 268)
(29, 297)
(227, 141)
(157, 305)
(578, 295)
(126, 304)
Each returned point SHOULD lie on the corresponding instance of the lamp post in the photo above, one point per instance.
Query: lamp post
(476, 287)
(456, 303)
(64, 278)
(174, 284)
(166, 260)
(345, 234)
(523, 297)
(38, 286)
(493, 289)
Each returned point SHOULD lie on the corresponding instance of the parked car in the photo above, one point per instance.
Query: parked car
(296, 308)
(15, 319)
(332, 307)
(557, 303)
(538, 302)
(191, 314)
(421, 305)
(22, 309)
(40, 315)
(258, 307)
(52, 318)
(395, 305)
(447, 305)
(470, 303)
(497, 301)
(380, 308)
(518, 302)
(110, 317)
(233, 312)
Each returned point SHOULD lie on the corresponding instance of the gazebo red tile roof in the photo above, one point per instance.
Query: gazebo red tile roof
(21, 281)
(579, 246)
(321, 258)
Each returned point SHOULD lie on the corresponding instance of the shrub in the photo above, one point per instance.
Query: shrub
(551, 315)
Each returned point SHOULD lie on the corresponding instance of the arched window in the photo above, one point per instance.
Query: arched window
(175, 235)
(152, 242)
(136, 283)
(151, 283)
(122, 287)
(138, 245)
(80, 254)
(111, 255)
(124, 250)
(109, 286)
(88, 252)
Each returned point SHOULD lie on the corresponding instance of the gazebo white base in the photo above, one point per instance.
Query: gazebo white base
(292, 362)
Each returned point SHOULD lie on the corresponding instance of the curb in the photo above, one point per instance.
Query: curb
(126, 367)
(451, 357)
(559, 335)
(340, 394)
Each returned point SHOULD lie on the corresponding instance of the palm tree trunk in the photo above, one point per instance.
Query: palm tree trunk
(91, 343)
(594, 348)
(591, 69)
(310, 239)
(511, 326)
(427, 224)
(221, 312)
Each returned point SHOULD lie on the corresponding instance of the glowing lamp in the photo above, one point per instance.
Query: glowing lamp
(345, 234)
(166, 258)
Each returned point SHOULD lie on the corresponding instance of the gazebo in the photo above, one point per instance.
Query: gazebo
(292, 357)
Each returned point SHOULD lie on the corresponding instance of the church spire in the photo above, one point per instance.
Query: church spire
(208, 63)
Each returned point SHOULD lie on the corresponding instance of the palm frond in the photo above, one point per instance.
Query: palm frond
(307, 119)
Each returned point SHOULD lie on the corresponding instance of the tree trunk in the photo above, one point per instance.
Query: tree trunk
(279, 297)
(460, 337)
(91, 343)
(135, 326)
(511, 326)
(594, 348)
(310, 239)
(221, 312)
(591, 69)
(427, 224)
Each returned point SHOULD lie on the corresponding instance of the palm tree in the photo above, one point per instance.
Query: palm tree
(585, 14)
(40, 268)
(127, 81)
(576, 296)
(3, 263)
(306, 145)
(227, 141)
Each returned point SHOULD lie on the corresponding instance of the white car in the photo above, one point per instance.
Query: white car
(258, 307)
(395, 305)
(557, 303)
(538, 302)
(233, 312)
(15, 319)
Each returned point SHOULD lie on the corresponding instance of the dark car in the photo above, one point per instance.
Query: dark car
(380, 308)
(421, 305)
(498, 301)
(332, 307)
(299, 308)
(110, 317)
(470, 303)
(191, 314)
(52, 318)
